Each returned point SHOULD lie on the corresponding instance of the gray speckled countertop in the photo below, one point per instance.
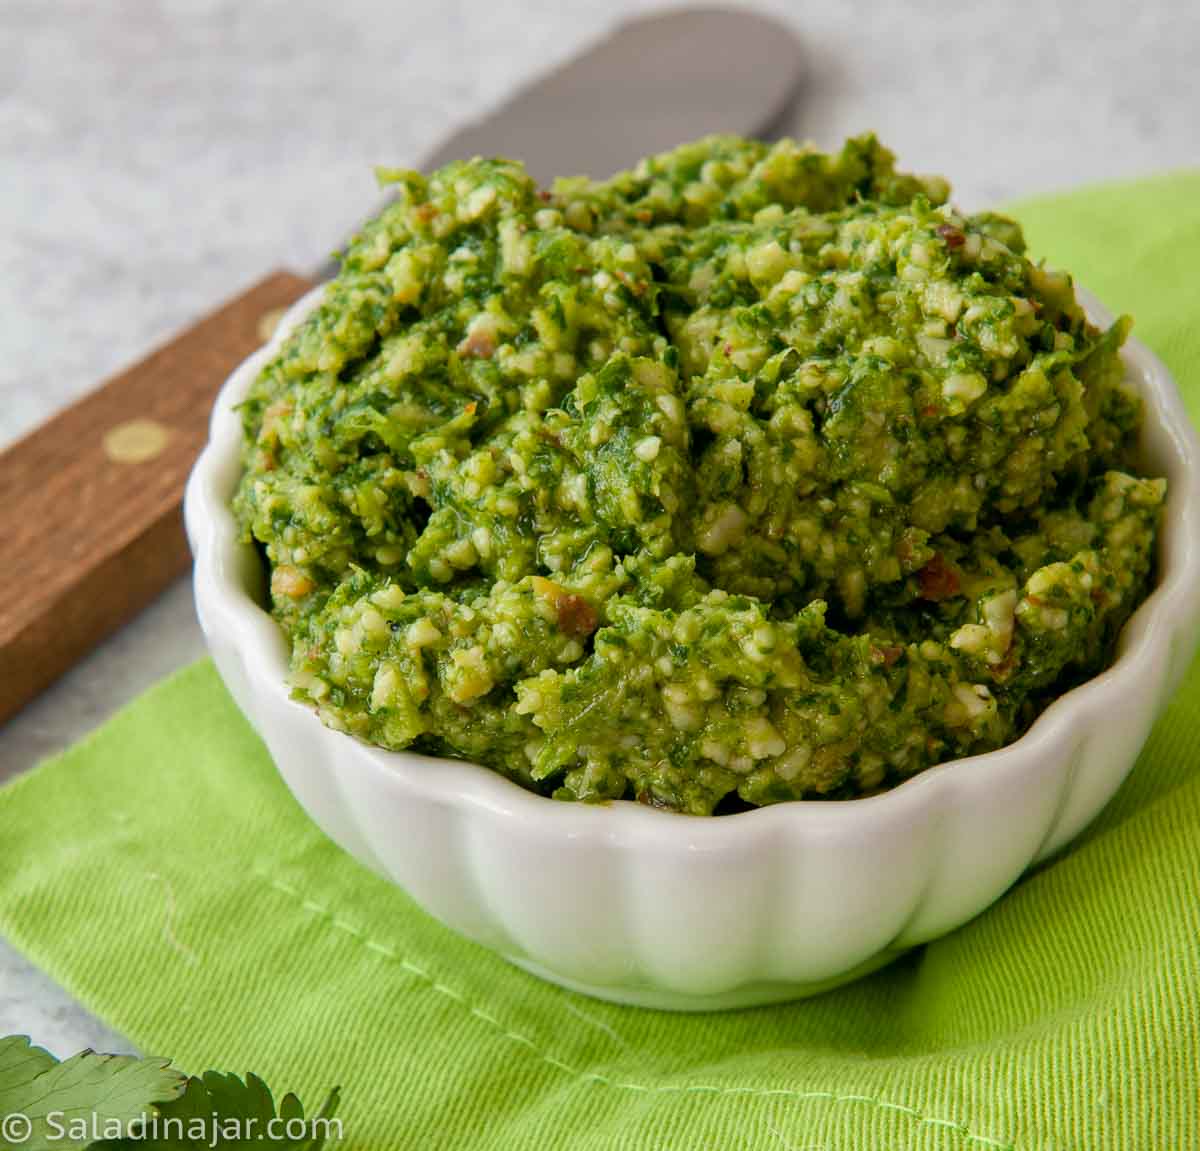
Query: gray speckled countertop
(158, 155)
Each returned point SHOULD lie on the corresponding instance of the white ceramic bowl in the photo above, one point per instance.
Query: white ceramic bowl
(649, 907)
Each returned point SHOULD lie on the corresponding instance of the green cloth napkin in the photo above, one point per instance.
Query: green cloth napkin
(163, 874)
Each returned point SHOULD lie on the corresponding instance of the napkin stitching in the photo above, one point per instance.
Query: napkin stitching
(326, 913)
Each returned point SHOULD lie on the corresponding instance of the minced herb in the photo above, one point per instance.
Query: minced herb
(752, 474)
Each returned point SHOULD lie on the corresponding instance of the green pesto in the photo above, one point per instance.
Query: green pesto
(752, 474)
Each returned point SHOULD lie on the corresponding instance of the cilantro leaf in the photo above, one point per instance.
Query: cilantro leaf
(123, 1103)
(68, 1103)
(224, 1111)
(20, 1064)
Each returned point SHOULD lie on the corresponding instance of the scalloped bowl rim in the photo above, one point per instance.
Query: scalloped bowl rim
(216, 546)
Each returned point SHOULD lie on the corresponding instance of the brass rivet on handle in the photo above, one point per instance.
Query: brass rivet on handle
(135, 441)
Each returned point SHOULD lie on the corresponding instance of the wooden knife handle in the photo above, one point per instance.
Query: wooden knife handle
(90, 502)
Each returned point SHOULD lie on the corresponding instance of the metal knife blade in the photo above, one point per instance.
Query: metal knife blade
(653, 82)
